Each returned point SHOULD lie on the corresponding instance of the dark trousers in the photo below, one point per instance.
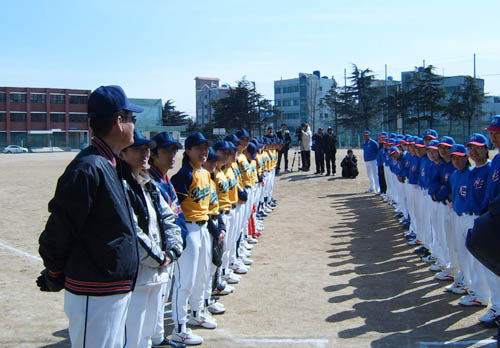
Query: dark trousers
(306, 159)
(330, 160)
(319, 158)
(283, 152)
(381, 179)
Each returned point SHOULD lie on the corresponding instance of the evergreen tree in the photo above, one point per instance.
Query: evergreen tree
(173, 117)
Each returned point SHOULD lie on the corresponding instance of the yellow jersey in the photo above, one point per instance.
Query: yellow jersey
(246, 171)
(233, 184)
(222, 183)
(213, 208)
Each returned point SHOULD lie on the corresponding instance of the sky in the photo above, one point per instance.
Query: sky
(155, 48)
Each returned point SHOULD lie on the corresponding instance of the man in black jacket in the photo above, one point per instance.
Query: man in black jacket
(330, 142)
(284, 135)
(89, 244)
(319, 151)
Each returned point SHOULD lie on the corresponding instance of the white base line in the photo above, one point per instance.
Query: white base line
(317, 342)
(458, 343)
(20, 252)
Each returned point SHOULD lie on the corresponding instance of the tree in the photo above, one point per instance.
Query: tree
(397, 105)
(242, 108)
(473, 98)
(173, 117)
(364, 97)
(333, 101)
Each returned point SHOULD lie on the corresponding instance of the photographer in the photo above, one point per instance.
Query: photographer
(305, 146)
(284, 135)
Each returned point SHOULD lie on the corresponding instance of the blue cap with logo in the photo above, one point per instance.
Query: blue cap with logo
(195, 139)
(367, 132)
(419, 142)
(382, 135)
(447, 141)
(494, 124)
(224, 145)
(477, 139)
(393, 150)
(140, 140)
(232, 138)
(458, 150)
(242, 133)
(431, 133)
(165, 140)
(433, 144)
(212, 156)
(106, 100)
(252, 149)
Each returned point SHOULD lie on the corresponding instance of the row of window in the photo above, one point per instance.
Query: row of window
(42, 117)
(41, 98)
(287, 102)
(291, 115)
(289, 89)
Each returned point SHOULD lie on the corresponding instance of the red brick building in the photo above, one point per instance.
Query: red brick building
(43, 117)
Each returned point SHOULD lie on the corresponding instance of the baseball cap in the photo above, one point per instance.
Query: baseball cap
(165, 139)
(140, 140)
(232, 138)
(224, 145)
(106, 100)
(419, 142)
(494, 124)
(242, 133)
(431, 133)
(477, 139)
(212, 156)
(382, 135)
(257, 143)
(447, 141)
(458, 150)
(411, 140)
(367, 132)
(195, 139)
(252, 149)
(433, 144)
(393, 150)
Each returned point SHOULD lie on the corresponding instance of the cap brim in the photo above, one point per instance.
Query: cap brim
(445, 144)
(432, 147)
(169, 144)
(458, 154)
(208, 142)
(493, 128)
(152, 143)
(430, 136)
(475, 143)
(134, 108)
(419, 145)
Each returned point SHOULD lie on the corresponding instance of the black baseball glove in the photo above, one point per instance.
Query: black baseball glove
(49, 282)
(217, 251)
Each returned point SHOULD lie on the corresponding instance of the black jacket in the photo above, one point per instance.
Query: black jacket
(319, 142)
(330, 143)
(287, 139)
(90, 235)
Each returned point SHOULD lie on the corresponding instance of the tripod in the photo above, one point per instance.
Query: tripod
(295, 152)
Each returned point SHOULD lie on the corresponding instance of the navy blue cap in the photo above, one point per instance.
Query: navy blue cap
(106, 100)
(459, 150)
(140, 140)
(232, 138)
(165, 139)
(212, 156)
(195, 139)
(494, 124)
(367, 132)
(256, 143)
(224, 145)
(242, 133)
(447, 141)
(430, 133)
(433, 144)
(477, 139)
(252, 149)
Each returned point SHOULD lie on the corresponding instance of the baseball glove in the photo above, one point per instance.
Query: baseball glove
(50, 283)
(218, 249)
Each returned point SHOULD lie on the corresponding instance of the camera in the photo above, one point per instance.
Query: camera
(298, 132)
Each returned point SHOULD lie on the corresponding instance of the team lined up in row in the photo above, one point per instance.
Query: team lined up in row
(437, 195)
(218, 200)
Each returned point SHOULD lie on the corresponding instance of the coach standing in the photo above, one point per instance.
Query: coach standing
(89, 243)
(284, 135)
(305, 146)
(370, 151)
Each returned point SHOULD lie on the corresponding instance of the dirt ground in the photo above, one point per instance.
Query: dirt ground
(331, 270)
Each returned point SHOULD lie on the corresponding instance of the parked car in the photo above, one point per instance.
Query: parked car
(14, 149)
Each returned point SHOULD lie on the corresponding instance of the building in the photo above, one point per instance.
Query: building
(207, 91)
(299, 100)
(44, 117)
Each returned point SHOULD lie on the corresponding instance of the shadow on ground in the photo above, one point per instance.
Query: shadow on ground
(399, 296)
(62, 344)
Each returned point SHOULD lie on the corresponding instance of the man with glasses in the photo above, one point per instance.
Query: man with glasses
(89, 244)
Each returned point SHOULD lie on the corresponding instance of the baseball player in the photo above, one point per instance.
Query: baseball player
(89, 242)
(370, 151)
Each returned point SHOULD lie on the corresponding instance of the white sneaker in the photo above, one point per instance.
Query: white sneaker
(491, 314)
(203, 320)
(444, 275)
(187, 337)
(267, 210)
(232, 278)
(252, 240)
(429, 259)
(216, 308)
(368, 191)
(239, 268)
(473, 300)
(228, 289)
(457, 288)
(248, 246)
(436, 267)
(415, 241)
(246, 261)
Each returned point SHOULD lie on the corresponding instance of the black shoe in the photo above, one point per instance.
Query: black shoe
(168, 343)
(490, 324)
(421, 250)
(327, 174)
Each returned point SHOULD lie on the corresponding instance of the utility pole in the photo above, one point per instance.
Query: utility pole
(474, 66)
(386, 113)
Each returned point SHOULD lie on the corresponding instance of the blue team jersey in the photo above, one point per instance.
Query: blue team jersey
(493, 183)
(380, 156)
(423, 177)
(370, 150)
(477, 188)
(397, 166)
(407, 157)
(459, 182)
(435, 173)
(387, 157)
(444, 191)
(414, 172)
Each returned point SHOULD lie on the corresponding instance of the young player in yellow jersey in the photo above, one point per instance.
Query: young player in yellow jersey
(251, 154)
(192, 184)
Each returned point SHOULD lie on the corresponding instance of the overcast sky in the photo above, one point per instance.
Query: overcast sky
(155, 48)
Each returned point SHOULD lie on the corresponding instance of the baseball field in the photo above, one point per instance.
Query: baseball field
(332, 269)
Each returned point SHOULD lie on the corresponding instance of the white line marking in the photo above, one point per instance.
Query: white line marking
(20, 252)
(457, 343)
(319, 343)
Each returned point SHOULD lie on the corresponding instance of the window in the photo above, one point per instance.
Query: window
(3, 116)
(38, 117)
(38, 98)
(277, 90)
(18, 98)
(291, 115)
(78, 99)
(57, 98)
(291, 89)
(78, 118)
(57, 118)
(290, 102)
(277, 103)
(3, 96)
(18, 116)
